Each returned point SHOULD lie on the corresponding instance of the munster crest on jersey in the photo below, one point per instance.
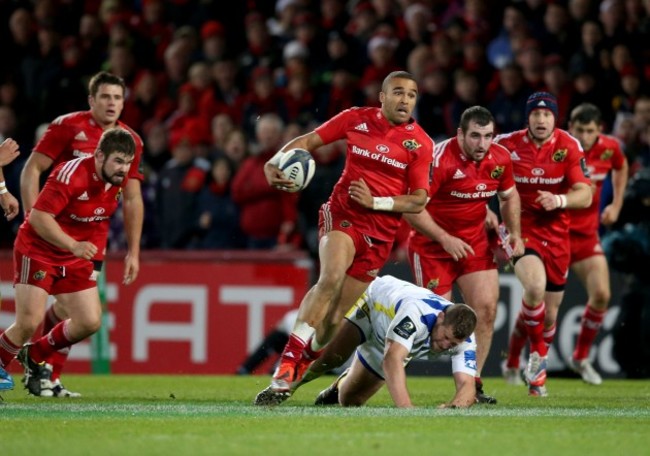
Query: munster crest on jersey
(559, 155)
(607, 154)
(497, 172)
(118, 195)
(411, 144)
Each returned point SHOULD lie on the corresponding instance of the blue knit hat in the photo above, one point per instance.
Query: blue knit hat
(541, 100)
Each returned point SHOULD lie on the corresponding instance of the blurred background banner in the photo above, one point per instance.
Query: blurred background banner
(202, 313)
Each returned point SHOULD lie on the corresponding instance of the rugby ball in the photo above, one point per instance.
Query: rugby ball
(298, 166)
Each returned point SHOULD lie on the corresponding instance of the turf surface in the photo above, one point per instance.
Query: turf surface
(203, 415)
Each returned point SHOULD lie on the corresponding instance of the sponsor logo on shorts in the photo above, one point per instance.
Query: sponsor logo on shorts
(405, 328)
(345, 224)
(497, 172)
(93, 276)
(39, 275)
(433, 283)
(411, 144)
(373, 272)
(559, 155)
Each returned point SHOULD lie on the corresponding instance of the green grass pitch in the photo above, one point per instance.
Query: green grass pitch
(214, 415)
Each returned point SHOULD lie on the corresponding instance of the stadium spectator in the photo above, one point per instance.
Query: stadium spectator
(388, 155)
(218, 214)
(393, 323)
(603, 154)
(177, 192)
(60, 265)
(509, 101)
(551, 178)
(268, 217)
(449, 243)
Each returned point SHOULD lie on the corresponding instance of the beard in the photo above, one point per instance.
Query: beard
(113, 179)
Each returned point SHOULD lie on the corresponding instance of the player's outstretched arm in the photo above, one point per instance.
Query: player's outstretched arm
(393, 365)
(465, 392)
(610, 213)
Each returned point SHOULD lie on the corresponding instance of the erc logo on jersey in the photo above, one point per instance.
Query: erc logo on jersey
(607, 154)
(497, 172)
(405, 328)
(411, 144)
(559, 155)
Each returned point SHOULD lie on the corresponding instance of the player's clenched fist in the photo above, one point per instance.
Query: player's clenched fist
(85, 250)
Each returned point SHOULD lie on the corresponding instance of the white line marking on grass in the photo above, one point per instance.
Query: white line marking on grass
(96, 411)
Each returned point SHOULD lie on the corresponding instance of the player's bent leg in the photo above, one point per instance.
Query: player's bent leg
(334, 355)
(330, 395)
(358, 385)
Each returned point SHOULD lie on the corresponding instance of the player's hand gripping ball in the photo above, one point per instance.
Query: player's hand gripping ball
(298, 166)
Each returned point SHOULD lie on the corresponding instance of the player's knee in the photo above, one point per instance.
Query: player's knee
(330, 282)
(600, 298)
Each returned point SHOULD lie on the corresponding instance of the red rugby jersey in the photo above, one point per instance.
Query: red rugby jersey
(76, 135)
(603, 156)
(460, 190)
(82, 205)
(392, 159)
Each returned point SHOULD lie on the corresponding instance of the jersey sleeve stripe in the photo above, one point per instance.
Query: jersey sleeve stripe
(67, 170)
(439, 150)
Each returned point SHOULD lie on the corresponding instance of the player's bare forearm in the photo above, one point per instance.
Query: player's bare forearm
(30, 176)
(133, 208)
(510, 208)
(393, 366)
(611, 212)
(49, 229)
(579, 197)
(465, 391)
(423, 223)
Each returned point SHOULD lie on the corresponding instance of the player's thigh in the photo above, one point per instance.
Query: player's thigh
(530, 271)
(480, 289)
(84, 307)
(341, 347)
(30, 305)
(359, 385)
(336, 252)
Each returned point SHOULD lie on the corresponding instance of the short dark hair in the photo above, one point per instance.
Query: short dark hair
(104, 77)
(586, 113)
(477, 114)
(396, 75)
(117, 140)
(462, 318)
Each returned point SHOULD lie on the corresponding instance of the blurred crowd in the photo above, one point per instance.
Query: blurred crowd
(215, 88)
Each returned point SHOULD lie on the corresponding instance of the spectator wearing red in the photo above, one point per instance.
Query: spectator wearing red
(264, 98)
(268, 216)
(224, 95)
(213, 41)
